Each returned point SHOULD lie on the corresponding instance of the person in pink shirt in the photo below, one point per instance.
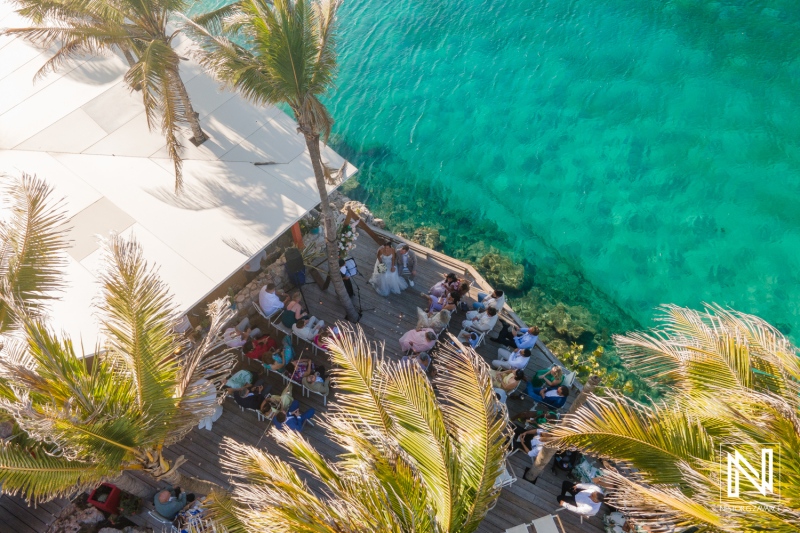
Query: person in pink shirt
(418, 341)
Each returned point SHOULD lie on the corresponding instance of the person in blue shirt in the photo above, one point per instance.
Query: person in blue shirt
(168, 503)
(516, 337)
(294, 419)
(555, 396)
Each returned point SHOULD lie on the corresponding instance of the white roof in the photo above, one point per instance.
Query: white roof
(84, 132)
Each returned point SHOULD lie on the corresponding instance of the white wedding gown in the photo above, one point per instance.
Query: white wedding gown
(388, 282)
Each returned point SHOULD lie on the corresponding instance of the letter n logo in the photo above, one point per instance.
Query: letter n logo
(739, 465)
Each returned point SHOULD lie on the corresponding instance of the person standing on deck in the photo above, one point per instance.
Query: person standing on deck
(407, 263)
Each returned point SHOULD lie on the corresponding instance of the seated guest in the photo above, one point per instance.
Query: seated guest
(527, 441)
(274, 403)
(585, 499)
(308, 329)
(547, 377)
(565, 460)
(263, 348)
(168, 503)
(441, 303)
(326, 336)
(448, 284)
(435, 321)
(301, 369)
(555, 396)
(294, 311)
(508, 380)
(535, 419)
(252, 396)
(239, 380)
(516, 337)
(281, 358)
(517, 359)
(293, 419)
(317, 383)
(238, 336)
(467, 337)
(482, 322)
(462, 289)
(418, 341)
(269, 300)
(496, 300)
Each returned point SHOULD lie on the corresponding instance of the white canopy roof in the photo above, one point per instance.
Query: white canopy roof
(84, 132)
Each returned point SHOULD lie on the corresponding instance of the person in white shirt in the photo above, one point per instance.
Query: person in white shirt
(482, 322)
(585, 499)
(308, 329)
(507, 359)
(268, 300)
(252, 268)
(497, 300)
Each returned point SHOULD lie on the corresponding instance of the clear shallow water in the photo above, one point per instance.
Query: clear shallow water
(649, 147)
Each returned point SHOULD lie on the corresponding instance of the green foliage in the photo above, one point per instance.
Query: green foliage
(417, 458)
(728, 379)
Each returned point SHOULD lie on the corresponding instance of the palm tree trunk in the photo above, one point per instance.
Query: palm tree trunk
(189, 484)
(543, 459)
(328, 221)
(198, 135)
(132, 485)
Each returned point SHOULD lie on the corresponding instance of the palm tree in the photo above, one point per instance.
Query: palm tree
(32, 240)
(419, 456)
(78, 422)
(287, 56)
(731, 381)
(137, 28)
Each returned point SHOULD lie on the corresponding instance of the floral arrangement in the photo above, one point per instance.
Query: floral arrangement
(347, 238)
(381, 268)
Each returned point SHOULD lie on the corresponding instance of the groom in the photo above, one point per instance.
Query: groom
(406, 263)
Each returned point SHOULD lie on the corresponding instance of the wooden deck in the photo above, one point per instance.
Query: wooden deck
(384, 320)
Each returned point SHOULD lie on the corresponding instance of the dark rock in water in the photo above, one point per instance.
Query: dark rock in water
(570, 322)
(501, 272)
(427, 237)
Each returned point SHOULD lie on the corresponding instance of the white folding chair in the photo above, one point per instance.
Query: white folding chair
(569, 378)
(167, 525)
(564, 509)
(547, 524)
(308, 392)
(506, 478)
(522, 528)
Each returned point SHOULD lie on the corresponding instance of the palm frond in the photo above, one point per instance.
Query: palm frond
(213, 20)
(32, 242)
(361, 375)
(39, 476)
(137, 313)
(653, 438)
(479, 425)
(422, 432)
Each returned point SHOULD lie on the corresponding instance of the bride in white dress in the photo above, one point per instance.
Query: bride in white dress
(388, 281)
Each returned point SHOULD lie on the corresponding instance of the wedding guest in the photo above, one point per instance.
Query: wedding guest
(496, 300)
(301, 369)
(280, 358)
(348, 284)
(555, 396)
(445, 286)
(407, 263)
(517, 337)
(269, 300)
(548, 377)
(482, 322)
(293, 419)
(423, 360)
(439, 303)
(585, 499)
(436, 321)
(274, 403)
(238, 336)
(507, 360)
(308, 329)
(252, 396)
(263, 348)
(168, 503)
(418, 341)
(317, 383)
(508, 380)
(294, 311)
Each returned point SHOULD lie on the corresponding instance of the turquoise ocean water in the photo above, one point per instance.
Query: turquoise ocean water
(650, 148)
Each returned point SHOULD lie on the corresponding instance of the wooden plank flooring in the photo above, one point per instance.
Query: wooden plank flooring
(384, 320)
